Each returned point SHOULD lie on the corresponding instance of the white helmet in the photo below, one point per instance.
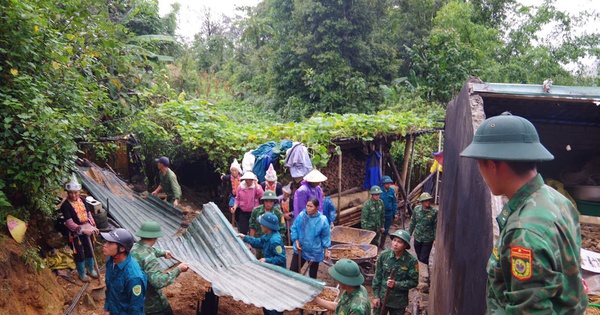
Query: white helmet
(73, 185)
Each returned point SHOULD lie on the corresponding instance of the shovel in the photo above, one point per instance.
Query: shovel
(100, 284)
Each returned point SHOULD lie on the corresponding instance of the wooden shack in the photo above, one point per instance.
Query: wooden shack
(568, 122)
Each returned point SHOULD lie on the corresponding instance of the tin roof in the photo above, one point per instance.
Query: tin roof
(209, 246)
(566, 105)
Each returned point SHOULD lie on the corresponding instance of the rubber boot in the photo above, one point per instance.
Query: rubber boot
(81, 272)
(89, 265)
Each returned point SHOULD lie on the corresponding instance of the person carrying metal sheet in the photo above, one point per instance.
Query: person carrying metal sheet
(268, 199)
(125, 281)
(355, 298)
(146, 256)
(372, 215)
(311, 237)
(392, 290)
(80, 223)
(270, 242)
(423, 223)
(535, 265)
(168, 181)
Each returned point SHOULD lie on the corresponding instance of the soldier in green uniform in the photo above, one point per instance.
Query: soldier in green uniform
(423, 223)
(406, 275)
(372, 216)
(535, 266)
(354, 299)
(156, 302)
(168, 181)
(269, 198)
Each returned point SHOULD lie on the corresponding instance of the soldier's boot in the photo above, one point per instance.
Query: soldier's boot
(81, 271)
(89, 265)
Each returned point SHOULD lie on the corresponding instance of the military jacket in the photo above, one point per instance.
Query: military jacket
(372, 216)
(355, 303)
(423, 223)
(534, 267)
(146, 256)
(170, 185)
(260, 210)
(406, 277)
(272, 246)
(390, 201)
(125, 287)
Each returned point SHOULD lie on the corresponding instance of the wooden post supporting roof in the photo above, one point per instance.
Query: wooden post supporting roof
(406, 158)
(339, 186)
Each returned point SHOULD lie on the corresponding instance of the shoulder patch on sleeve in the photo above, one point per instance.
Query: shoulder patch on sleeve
(137, 290)
(278, 249)
(521, 260)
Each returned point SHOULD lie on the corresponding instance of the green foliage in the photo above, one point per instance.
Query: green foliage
(32, 258)
(191, 129)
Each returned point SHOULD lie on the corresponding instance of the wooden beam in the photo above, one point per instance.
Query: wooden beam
(400, 185)
(406, 159)
(339, 185)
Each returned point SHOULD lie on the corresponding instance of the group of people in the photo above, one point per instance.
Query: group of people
(534, 267)
(134, 279)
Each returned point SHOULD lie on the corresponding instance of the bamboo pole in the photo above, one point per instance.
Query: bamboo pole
(339, 185)
(380, 160)
(437, 171)
(406, 159)
(412, 162)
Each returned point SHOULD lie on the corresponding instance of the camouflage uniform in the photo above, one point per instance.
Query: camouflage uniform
(372, 217)
(406, 277)
(535, 265)
(260, 210)
(423, 223)
(146, 255)
(355, 303)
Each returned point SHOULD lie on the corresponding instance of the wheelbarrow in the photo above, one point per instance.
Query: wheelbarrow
(364, 255)
(317, 309)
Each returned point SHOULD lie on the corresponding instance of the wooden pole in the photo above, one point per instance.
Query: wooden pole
(406, 159)
(437, 172)
(337, 217)
(412, 162)
(401, 188)
(380, 160)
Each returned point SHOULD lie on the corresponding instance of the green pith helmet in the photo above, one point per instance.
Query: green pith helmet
(347, 272)
(269, 195)
(403, 235)
(149, 229)
(386, 180)
(425, 196)
(507, 138)
(269, 220)
(375, 190)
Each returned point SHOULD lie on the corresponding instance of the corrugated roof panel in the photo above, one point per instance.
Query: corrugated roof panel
(556, 91)
(209, 246)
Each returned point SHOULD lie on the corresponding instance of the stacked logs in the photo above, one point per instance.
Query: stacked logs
(350, 205)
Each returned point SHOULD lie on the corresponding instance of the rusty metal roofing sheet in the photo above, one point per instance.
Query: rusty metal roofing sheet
(209, 246)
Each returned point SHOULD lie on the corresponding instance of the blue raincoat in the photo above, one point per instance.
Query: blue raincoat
(314, 235)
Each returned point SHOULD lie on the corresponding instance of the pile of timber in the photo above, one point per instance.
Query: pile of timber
(350, 205)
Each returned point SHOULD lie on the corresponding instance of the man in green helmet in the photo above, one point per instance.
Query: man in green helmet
(406, 275)
(355, 298)
(372, 215)
(423, 223)
(146, 255)
(534, 267)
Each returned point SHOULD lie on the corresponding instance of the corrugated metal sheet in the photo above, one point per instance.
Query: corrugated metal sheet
(209, 246)
(556, 91)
